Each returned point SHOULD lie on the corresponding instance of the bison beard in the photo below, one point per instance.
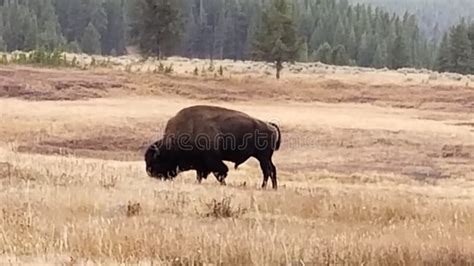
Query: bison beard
(202, 137)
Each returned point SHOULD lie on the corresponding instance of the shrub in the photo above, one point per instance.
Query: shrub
(74, 61)
(133, 209)
(223, 209)
(169, 69)
(161, 68)
(211, 67)
(4, 60)
(22, 59)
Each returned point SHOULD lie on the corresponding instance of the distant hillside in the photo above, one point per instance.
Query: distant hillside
(435, 16)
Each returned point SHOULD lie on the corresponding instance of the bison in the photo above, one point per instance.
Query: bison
(202, 137)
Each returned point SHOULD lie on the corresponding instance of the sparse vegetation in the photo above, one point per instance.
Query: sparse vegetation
(211, 67)
(221, 71)
(38, 57)
(73, 187)
(109, 182)
(133, 209)
(223, 209)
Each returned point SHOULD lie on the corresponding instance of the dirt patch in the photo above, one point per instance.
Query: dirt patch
(454, 151)
(69, 84)
(465, 124)
(423, 96)
(82, 153)
(121, 147)
(40, 85)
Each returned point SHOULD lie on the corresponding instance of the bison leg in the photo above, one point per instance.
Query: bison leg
(219, 169)
(274, 176)
(269, 171)
(221, 177)
(200, 175)
(266, 170)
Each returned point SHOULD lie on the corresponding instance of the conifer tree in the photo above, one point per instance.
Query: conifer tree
(323, 54)
(470, 35)
(351, 43)
(460, 49)
(277, 40)
(399, 53)
(443, 59)
(74, 47)
(156, 27)
(339, 55)
(364, 53)
(339, 34)
(380, 57)
(90, 42)
(114, 37)
(303, 54)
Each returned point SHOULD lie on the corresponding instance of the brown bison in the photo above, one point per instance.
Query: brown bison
(202, 137)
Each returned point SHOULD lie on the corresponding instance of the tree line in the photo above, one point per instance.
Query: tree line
(330, 31)
(456, 51)
(333, 32)
(435, 16)
(89, 26)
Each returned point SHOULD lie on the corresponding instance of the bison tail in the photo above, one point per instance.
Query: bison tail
(278, 140)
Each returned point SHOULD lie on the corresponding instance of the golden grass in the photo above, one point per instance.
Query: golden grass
(343, 201)
(63, 209)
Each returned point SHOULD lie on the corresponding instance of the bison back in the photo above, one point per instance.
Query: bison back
(216, 128)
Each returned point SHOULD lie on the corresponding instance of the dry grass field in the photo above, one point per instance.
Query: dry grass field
(376, 168)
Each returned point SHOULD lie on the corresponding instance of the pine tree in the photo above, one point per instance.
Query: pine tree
(443, 59)
(50, 37)
(303, 54)
(324, 54)
(351, 43)
(317, 38)
(380, 57)
(364, 55)
(470, 35)
(74, 47)
(399, 54)
(460, 49)
(30, 30)
(90, 42)
(114, 38)
(339, 55)
(3, 45)
(277, 40)
(156, 27)
(339, 34)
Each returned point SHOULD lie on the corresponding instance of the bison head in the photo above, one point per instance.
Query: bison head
(161, 162)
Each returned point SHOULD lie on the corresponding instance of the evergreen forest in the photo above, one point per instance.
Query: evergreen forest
(340, 32)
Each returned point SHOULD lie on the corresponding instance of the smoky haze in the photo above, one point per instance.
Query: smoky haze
(435, 16)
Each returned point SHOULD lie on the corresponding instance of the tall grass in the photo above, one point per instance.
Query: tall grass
(72, 207)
